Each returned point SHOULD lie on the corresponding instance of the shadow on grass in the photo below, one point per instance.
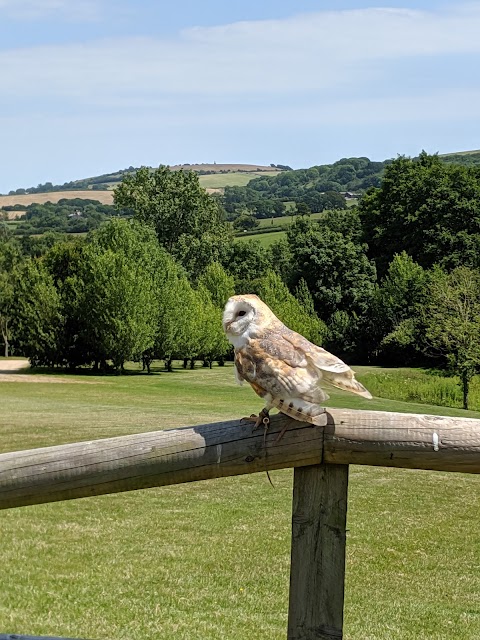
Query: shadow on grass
(110, 372)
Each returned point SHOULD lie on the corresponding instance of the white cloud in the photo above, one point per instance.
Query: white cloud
(38, 9)
(318, 51)
(262, 67)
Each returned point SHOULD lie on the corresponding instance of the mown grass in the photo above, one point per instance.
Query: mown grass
(415, 385)
(210, 560)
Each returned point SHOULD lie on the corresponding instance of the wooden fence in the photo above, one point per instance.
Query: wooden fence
(321, 456)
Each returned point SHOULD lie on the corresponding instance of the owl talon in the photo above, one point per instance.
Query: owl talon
(261, 419)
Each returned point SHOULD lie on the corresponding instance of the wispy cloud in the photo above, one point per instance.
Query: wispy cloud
(40, 9)
(326, 50)
(367, 81)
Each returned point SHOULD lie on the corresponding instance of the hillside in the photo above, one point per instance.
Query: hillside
(108, 181)
(315, 187)
(105, 197)
(264, 190)
(466, 158)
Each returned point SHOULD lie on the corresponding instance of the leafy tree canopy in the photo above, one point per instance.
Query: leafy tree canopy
(336, 270)
(120, 294)
(297, 314)
(427, 207)
(172, 202)
(452, 321)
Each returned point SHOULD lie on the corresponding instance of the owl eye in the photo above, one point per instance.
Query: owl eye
(241, 313)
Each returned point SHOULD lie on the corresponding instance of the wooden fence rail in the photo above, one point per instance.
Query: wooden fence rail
(320, 455)
(207, 451)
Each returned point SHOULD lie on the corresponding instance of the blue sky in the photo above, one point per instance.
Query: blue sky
(91, 86)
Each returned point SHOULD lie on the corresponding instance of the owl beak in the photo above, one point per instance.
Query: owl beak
(227, 325)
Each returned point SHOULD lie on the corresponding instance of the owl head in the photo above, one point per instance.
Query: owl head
(243, 314)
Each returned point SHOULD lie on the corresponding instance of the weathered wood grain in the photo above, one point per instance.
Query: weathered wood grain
(317, 572)
(231, 448)
(406, 440)
(154, 459)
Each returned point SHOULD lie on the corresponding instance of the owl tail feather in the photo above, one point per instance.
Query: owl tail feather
(347, 382)
(302, 410)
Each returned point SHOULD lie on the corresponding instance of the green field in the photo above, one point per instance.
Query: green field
(210, 560)
(265, 239)
(232, 179)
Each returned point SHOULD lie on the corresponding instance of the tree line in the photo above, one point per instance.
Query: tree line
(151, 287)
(394, 281)
(75, 215)
(315, 189)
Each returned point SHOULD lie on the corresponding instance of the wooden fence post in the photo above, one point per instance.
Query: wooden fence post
(317, 571)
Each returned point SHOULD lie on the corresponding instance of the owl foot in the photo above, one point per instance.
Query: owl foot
(262, 419)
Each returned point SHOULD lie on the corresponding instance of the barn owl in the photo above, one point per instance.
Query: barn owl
(283, 367)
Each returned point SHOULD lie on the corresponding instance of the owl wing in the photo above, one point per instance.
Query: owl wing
(278, 368)
(282, 375)
(332, 369)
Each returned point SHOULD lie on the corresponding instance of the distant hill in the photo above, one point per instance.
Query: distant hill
(105, 197)
(273, 181)
(316, 187)
(466, 158)
(108, 181)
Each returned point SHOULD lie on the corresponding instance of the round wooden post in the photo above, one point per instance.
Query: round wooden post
(317, 572)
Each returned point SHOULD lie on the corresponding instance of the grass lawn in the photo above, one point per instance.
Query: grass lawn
(210, 560)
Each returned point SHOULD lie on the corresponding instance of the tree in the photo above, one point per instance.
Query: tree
(120, 293)
(173, 203)
(36, 317)
(216, 286)
(65, 261)
(219, 284)
(280, 259)
(452, 321)
(10, 257)
(274, 292)
(396, 310)
(195, 254)
(214, 344)
(344, 335)
(279, 208)
(180, 321)
(428, 208)
(316, 329)
(303, 209)
(346, 222)
(245, 221)
(337, 271)
(246, 262)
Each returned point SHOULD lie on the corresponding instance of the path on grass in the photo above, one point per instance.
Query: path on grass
(13, 366)
(9, 370)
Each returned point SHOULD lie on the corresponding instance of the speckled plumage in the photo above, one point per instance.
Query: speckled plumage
(282, 366)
